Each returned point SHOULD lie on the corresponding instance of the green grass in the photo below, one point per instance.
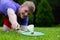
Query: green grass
(51, 33)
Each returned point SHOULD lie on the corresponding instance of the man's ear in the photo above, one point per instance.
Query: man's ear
(22, 6)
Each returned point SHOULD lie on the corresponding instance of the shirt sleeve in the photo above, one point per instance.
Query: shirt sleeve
(10, 5)
(25, 22)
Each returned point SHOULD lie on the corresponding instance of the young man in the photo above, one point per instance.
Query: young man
(16, 15)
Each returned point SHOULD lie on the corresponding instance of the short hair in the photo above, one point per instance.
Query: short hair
(30, 5)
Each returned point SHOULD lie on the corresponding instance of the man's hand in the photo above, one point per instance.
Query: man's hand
(15, 26)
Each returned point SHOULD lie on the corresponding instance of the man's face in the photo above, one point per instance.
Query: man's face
(23, 12)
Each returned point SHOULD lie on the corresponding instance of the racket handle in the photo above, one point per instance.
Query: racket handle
(18, 29)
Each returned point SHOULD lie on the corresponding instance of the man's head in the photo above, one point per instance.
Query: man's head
(26, 8)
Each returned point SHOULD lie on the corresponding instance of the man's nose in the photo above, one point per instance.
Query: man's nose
(26, 14)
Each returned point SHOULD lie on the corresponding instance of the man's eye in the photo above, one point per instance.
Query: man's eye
(18, 13)
(22, 13)
(26, 11)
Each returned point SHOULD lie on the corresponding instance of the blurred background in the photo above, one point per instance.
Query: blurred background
(47, 13)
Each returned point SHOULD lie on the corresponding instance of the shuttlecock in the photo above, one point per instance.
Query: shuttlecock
(31, 28)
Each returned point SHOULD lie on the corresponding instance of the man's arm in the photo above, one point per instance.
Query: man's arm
(12, 18)
(25, 23)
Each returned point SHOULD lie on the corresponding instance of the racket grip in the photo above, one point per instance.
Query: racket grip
(18, 29)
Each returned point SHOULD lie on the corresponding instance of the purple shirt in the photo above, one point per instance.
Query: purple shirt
(5, 4)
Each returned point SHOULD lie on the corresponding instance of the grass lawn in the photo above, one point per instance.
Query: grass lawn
(51, 33)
